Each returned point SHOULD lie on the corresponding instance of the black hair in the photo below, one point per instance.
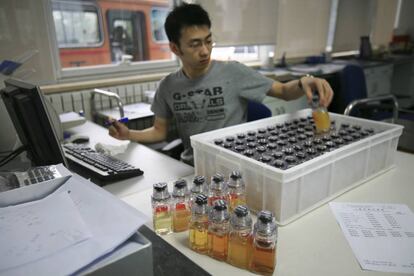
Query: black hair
(185, 15)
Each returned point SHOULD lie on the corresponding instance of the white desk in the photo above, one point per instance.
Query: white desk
(313, 244)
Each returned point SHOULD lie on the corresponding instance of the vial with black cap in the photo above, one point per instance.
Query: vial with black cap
(240, 237)
(236, 190)
(263, 258)
(161, 209)
(198, 234)
(218, 230)
(180, 206)
(217, 189)
(320, 115)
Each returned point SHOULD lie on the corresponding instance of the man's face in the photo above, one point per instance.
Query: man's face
(195, 47)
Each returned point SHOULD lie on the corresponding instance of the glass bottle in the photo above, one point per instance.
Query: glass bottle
(198, 234)
(263, 258)
(218, 230)
(218, 189)
(320, 115)
(181, 206)
(161, 210)
(236, 190)
(199, 187)
(240, 237)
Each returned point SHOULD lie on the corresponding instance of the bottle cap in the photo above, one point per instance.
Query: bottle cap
(217, 178)
(235, 175)
(181, 183)
(219, 205)
(199, 180)
(161, 186)
(265, 217)
(201, 199)
(241, 211)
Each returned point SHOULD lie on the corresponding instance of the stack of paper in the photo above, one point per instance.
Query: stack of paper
(65, 231)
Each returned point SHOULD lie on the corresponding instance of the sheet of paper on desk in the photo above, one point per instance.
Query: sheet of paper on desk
(35, 230)
(109, 220)
(380, 235)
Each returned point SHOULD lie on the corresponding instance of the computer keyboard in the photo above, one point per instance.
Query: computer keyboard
(100, 165)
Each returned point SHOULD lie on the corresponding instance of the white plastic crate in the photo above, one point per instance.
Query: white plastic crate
(293, 192)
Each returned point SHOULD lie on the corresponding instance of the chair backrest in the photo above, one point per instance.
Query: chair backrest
(353, 85)
(256, 111)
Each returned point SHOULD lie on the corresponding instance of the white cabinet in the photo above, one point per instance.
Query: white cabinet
(378, 79)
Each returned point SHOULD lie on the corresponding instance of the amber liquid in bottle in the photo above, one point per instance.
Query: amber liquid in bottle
(199, 236)
(181, 217)
(240, 247)
(218, 231)
(321, 119)
(240, 237)
(218, 245)
(263, 259)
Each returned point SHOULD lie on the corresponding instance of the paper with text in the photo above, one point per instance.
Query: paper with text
(380, 235)
(109, 219)
(35, 230)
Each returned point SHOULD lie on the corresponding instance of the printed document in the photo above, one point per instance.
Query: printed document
(31, 231)
(380, 235)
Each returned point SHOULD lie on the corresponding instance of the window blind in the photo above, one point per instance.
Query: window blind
(353, 21)
(302, 27)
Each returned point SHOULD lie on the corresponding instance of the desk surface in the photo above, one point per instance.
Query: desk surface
(314, 244)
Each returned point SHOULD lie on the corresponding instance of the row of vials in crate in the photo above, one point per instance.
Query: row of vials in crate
(218, 220)
(288, 144)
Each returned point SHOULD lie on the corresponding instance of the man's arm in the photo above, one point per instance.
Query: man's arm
(293, 89)
(156, 133)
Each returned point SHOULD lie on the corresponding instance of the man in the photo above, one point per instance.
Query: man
(206, 94)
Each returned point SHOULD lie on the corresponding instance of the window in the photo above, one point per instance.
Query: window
(158, 16)
(98, 36)
(76, 25)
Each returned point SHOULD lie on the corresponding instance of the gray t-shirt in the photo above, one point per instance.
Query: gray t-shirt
(215, 100)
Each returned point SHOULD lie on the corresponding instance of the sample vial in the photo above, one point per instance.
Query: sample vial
(218, 230)
(263, 258)
(218, 189)
(236, 190)
(240, 237)
(198, 234)
(180, 206)
(199, 187)
(161, 210)
(320, 115)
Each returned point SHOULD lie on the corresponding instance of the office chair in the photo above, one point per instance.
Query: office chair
(256, 111)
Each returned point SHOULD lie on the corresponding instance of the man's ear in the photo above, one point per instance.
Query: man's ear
(175, 49)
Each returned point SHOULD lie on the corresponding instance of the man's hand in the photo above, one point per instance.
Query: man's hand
(309, 84)
(119, 130)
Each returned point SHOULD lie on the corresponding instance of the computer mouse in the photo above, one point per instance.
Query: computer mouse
(78, 139)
